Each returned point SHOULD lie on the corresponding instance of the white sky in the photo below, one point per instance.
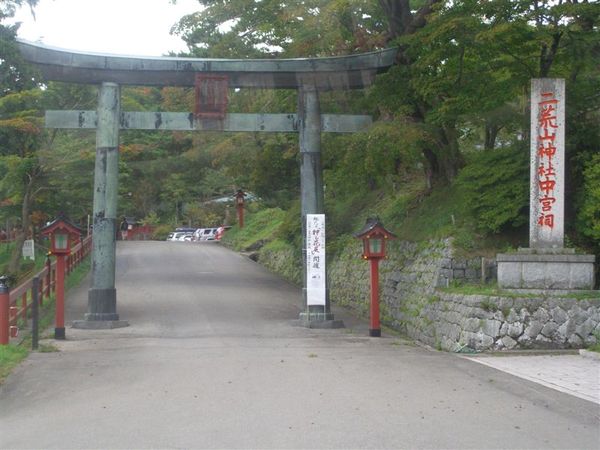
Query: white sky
(128, 27)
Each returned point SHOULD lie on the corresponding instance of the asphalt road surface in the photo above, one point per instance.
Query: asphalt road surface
(212, 360)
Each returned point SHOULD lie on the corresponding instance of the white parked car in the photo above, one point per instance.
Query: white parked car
(176, 236)
(207, 234)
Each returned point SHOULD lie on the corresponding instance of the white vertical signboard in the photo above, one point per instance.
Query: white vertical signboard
(315, 259)
(546, 228)
(29, 249)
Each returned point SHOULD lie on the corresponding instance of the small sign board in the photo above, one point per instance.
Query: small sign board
(315, 259)
(29, 249)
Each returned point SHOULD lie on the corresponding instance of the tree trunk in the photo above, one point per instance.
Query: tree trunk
(547, 55)
(491, 133)
(444, 159)
(15, 258)
(449, 157)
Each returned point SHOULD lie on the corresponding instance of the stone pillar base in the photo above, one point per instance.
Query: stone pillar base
(318, 320)
(99, 324)
(545, 269)
(102, 311)
(102, 304)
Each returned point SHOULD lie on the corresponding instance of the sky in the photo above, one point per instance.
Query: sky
(126, 27)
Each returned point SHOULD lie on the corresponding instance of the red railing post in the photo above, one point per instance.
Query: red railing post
(4, 311)
(59, 328)
(24, 306)
(41, 290)
(48, 276)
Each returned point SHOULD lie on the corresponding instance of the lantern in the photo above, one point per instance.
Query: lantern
(374, 236)
(239, 197)
(239, 201)
(63, 234)
(60, 242)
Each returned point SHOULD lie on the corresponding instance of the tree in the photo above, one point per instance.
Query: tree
(15, 75)
(467, 62)
(247, 28)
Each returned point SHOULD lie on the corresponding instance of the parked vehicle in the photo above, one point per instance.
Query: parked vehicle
(221, 231)
(209, 234)
(186, 229)
(176, 236)
(197, 234)
(205, 234)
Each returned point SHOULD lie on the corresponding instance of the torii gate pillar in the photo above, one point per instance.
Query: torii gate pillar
(102, 296)
(312, 195)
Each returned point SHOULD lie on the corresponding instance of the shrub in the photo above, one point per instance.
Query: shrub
(496, 188)
(161, 232)
(588, 217)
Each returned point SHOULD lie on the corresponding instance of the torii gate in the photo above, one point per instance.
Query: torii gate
(308, 75)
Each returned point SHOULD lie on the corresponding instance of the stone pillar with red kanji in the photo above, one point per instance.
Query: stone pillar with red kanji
(546, 265)
(547, 198)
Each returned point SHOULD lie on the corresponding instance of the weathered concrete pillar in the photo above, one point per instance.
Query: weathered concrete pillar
(312, 194)
(102, 296)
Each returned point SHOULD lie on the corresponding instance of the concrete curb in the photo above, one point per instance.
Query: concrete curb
(590, 355)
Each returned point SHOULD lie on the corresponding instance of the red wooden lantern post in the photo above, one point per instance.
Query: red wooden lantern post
(63, 234)
(4, 311)
(374, 236)
(239, 203)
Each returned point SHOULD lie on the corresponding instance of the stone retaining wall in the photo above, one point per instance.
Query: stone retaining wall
(457, 322)
(413, 299)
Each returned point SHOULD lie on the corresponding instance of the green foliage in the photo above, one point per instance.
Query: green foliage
(259, 228)
(151, 219)
(589, 213)
(488, 305)
(15, 75)
(274, 172)
(290, 229)
(495, 185)
(238, 28)
(10, 357)
(460, 83)
(421, 217)
(8, 8)
(161, 232)
(381, 157)
(595, 347)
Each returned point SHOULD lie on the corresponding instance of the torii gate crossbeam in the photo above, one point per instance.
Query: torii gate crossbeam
(308, 75)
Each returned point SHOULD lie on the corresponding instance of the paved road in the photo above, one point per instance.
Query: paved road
(573, 374)
(211, 360)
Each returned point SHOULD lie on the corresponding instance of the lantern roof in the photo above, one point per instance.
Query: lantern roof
(60, 223)
(374, 226)
(240, 193)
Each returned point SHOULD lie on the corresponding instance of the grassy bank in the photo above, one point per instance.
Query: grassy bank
(260, 226)
(12, 355)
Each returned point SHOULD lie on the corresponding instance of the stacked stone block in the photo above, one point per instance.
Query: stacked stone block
(457, 322)
(413, 300)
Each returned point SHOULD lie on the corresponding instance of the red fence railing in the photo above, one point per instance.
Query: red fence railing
(20, 298)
